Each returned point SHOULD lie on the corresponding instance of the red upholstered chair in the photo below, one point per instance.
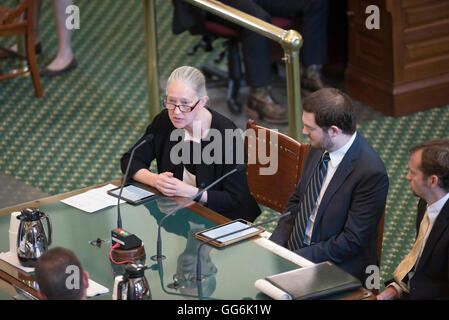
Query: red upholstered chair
(234, 76)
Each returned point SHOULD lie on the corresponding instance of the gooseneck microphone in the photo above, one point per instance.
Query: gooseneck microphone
(147, 138)
(124, 241)
(159, 255)
(198, 260)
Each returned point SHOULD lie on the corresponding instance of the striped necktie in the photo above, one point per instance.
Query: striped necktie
(308, 204)
(409, 261)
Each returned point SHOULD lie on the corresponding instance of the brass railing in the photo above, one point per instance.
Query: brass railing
(290, 41)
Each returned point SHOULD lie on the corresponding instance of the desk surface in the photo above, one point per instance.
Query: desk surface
(230, 272)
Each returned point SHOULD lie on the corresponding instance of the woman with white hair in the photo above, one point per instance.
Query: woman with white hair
(187, 117)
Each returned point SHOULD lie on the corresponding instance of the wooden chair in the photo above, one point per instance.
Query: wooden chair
(19, 21)
(274, 190)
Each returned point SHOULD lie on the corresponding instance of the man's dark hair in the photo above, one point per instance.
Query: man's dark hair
(51, 274)
(332, 107)
(435, 160)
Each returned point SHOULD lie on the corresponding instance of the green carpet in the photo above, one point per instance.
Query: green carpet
(75, 135)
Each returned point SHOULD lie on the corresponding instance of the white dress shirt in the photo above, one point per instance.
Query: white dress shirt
(335, 159)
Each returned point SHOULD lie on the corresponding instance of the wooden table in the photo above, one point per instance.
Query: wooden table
(12, 276)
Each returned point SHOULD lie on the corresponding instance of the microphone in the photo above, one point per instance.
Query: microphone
(119, 236)
(147, 138)
(198, 261)
(159, 256)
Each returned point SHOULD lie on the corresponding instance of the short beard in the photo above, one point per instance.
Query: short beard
(325, 143)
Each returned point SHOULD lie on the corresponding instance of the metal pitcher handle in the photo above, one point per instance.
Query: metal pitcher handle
(19, 234)
(49, 230)
(119, 289)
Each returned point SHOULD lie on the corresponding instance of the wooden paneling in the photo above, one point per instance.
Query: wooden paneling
(401, 67)
(426, 13)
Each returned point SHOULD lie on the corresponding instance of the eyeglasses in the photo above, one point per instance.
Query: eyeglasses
(182, 107)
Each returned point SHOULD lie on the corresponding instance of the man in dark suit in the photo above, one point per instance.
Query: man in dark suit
(424, 272)
(340, 198)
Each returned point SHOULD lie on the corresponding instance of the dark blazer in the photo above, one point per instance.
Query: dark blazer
(231, 197)
(431, 277)
(346, 225)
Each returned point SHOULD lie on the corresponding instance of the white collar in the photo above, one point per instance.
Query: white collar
(434, 209)
(188, 137)
(337, 155)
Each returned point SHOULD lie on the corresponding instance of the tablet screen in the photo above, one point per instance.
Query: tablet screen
(133, 193)
(228, 228)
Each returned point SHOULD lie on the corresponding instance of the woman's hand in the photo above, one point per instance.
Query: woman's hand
(171, 186)
(167, 184)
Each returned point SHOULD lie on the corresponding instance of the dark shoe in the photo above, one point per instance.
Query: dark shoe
(51, 73)
(311, 78)
(8, 53)
(261, 105)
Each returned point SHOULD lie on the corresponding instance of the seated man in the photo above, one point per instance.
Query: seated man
(256, 48)
(60, 276)
(423, 274)
(340, 198)
(256, 51)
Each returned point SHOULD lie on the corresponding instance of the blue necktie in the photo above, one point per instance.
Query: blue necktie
(306, 207)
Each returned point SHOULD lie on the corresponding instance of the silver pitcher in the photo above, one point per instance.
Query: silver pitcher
(32, 241)
(134, 285)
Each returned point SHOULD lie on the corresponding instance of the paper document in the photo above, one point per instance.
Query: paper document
(93, 200)
(96, 289)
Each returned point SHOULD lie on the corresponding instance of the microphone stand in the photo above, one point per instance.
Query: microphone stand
(119, 218)
(200, 289)
(139, 249)
(198, 261)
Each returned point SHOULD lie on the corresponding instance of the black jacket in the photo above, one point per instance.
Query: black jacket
(231, 197)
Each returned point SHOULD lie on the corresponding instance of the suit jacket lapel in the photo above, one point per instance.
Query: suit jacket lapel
(344, 169)
(441, 223)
